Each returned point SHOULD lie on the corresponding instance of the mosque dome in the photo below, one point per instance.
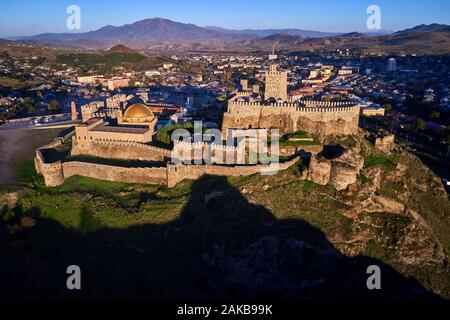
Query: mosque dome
(138, 111)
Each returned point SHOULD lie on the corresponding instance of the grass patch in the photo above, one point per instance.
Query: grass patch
(28, 176)
(289, 140)
(387, 162)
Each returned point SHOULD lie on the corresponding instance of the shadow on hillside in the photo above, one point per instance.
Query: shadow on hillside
(222, 247)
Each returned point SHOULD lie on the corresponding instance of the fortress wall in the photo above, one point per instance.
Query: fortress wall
(116, 136)
(178, 173)
(88, 132)
(330, 119)
(56, 173)
(52, 172)
(119, 150)
(154, 175)
(115, 101)
(88, 109)
(187, 151)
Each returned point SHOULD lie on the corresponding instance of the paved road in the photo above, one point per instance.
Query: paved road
(18, 144)
(27, 125)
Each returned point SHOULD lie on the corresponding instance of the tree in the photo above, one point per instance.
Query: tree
(164, 135)
(420, 125)
(30, 106)
(54, 106)
(435, 115)
(387, 107)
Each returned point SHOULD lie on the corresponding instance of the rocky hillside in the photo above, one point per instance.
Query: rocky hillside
(261, 236)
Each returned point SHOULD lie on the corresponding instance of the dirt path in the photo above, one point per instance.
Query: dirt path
(19, 145)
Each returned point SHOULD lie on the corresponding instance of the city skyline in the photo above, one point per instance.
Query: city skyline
(326, 16)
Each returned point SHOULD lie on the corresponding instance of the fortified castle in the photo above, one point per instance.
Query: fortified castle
(117, 130)
(246, 110)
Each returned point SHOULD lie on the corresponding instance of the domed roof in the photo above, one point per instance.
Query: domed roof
(138, 110)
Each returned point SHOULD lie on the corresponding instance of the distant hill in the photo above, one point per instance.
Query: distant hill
(425, 28)
(283, 38)
(419, 42)
(353, 35)
(163, 35)
(120, 48)
(156, 29)
(269, 32)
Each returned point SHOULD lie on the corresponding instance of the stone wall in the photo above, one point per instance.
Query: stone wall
(178, 173)
(98, 130)
(322, 121)
(119, 150)
(88, 109)
(116, 101)
(147, 175)
(52, 172)
(56, 173)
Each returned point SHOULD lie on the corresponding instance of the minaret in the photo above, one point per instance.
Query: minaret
(73, 111)
(273, 56)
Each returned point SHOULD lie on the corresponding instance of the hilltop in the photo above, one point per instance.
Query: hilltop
(256, 236)
(120, 48)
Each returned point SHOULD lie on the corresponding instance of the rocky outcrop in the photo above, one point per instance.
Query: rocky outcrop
(319, 170)
(335, 166)
(385, 144)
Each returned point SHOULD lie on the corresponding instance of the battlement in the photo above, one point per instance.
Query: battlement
(128, 144)
(307, 106)
(188, 144)
(114, 101)
(322, 118)
(93, 105)
(88, 109)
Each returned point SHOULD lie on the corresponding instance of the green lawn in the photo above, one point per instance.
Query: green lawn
(387, 162)
(287, 140)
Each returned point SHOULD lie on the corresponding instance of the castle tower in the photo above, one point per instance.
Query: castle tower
(73, 111)
(244, 84)
(276, 84)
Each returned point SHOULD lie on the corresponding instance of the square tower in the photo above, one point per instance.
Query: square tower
(276, 84)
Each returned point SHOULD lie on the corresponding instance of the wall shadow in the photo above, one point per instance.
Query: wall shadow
(221, 247)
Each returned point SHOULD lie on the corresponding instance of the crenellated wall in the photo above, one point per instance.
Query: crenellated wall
(119, 150)
(88, 109)
(56, 173)
(320, 118)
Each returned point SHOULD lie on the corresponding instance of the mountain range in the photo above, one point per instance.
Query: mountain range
(160, 34)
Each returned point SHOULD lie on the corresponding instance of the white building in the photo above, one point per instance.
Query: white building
(392, 65)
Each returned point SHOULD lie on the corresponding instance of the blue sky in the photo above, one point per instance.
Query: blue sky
(29, 17)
